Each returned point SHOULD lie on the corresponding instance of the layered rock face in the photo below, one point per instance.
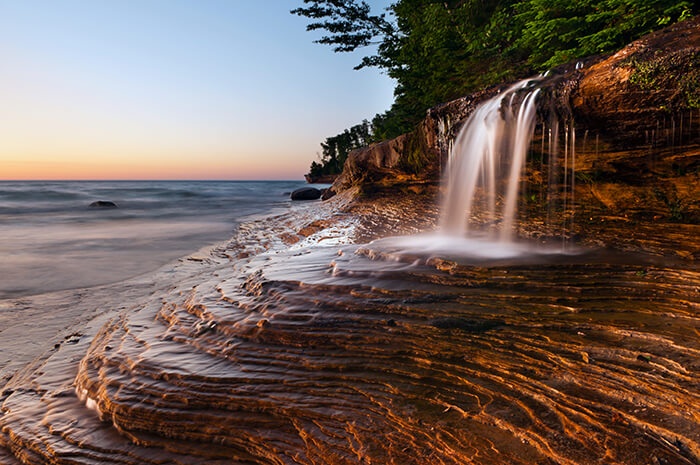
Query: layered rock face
(325, 179)
(623, 131)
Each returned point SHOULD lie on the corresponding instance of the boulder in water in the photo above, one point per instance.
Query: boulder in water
(103, 204)
(306, 193)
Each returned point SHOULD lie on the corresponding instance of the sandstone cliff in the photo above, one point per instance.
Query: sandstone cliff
(632, 119)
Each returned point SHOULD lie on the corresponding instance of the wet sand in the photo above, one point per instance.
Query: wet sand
(295, 343)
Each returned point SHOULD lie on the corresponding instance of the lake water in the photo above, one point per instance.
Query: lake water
(50, 239)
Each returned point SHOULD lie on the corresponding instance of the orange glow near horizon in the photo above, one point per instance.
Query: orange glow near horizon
(145, 169)
(145, 158)
(171, 90)
(117, 160)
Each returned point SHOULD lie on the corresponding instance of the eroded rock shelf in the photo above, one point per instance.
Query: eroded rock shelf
(339, 355)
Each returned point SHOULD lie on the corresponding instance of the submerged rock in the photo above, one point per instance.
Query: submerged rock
(103, 204)
(306, 193)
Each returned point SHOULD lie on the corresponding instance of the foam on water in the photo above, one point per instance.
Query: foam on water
(475, 249)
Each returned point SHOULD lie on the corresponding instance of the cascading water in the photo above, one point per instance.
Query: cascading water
(483, 179)
(484, 168)
(492, 144)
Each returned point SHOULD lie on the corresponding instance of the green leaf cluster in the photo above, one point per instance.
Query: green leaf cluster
(554, 32)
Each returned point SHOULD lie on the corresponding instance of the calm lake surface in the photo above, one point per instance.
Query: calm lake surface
(50, 239)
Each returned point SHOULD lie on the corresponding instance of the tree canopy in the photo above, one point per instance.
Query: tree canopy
(438, 50)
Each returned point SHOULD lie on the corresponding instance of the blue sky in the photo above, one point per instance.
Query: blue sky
(171, 89)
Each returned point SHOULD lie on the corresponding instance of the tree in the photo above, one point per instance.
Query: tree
(336, 149)
(438, 50)
(435, 49)
(349, 25)
(554, 32)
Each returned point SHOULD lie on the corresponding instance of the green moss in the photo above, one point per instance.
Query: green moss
(678, 70)
(589, 177)
(412, 161)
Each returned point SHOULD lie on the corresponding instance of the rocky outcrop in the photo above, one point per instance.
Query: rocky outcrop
(414, 157)
(324, 179)
(624, 127)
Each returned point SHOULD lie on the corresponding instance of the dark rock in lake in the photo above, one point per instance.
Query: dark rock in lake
(103, 204)
(306, 193)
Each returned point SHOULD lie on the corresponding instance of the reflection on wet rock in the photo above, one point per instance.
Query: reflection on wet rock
(324, 357)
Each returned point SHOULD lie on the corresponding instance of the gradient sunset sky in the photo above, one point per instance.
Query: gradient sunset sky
(171, 89)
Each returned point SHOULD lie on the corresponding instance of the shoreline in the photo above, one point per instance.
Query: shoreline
(273, 303)
(79, 305)
(342, 220)
(54, 241)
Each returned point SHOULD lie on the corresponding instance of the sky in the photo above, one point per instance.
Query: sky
(172, 89)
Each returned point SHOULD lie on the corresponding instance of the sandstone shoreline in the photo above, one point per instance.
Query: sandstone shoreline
(284, 345)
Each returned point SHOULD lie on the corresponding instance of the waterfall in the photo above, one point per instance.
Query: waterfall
(483, 179)
(492, 145)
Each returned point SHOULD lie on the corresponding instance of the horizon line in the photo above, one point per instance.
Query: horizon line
(150, 180)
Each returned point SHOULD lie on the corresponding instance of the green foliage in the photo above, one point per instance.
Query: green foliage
(438, 50)
(349, 23)
(336, 149)
(556, 31)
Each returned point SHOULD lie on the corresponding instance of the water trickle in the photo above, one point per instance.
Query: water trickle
(673, 135)
(565, 192)
(552, 170)
(573, 179)
(492, 144)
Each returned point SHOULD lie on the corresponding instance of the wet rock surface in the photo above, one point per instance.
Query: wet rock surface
(345, 355)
